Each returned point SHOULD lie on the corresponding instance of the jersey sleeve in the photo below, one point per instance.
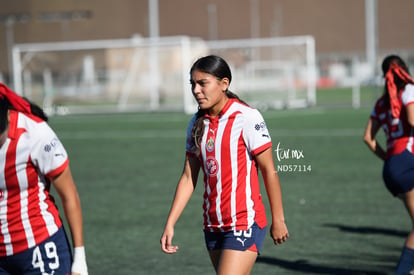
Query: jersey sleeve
(48, 153)
(255, 133)
(190, 147)
(408, 95)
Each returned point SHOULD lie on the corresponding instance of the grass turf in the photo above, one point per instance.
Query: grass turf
(340, 217)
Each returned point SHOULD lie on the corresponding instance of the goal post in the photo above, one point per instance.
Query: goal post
(147, 74)
(276, 72)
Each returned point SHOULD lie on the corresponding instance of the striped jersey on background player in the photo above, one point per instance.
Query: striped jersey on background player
(32, 237)
(394, 112)
(229, 142)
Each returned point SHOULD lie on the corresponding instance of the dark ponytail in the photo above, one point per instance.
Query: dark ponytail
(4, 107)
(37, 111)
(389, 62)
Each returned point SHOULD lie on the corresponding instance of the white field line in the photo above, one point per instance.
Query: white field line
(170, 134)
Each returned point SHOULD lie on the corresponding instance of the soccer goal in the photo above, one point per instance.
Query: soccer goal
(152, 74)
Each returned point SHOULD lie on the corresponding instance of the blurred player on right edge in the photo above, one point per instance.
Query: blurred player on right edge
(394, 112)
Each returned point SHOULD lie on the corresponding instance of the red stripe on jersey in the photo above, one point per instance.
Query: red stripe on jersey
(58, 170)
(211, 182)
(259, 209)
(241, 196)
(262, 148)
(227, 174)
(34, 204)
(13, 197)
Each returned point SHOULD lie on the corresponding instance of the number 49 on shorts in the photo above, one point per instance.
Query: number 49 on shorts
(48, 260)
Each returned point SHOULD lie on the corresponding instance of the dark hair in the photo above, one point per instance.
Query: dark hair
(5, 106)
(385, 66)
(214, 65)
(3, 114)
(390, 59)
(218, 67)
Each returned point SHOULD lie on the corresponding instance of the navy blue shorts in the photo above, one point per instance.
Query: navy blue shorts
(53, 256)
(398, 173)
(251, 239)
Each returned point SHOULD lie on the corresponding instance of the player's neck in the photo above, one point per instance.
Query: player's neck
(216, 109)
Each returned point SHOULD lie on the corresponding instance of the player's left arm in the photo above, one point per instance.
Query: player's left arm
(278, 229)
(371, 131)
(67, 191)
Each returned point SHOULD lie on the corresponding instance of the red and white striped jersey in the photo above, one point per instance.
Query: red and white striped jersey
(30, 156)
(398, 132)
(232, 199)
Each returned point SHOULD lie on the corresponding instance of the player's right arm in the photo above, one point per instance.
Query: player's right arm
(371, 131)
(183, 192)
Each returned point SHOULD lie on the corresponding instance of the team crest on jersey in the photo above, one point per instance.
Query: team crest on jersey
(211, 166)
(210, 145)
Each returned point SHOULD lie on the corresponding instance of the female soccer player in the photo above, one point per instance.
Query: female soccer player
(228, 140)
(32, 238)
(394, 112)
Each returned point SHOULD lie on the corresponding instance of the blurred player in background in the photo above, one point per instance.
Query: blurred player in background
(32, 237)
(229, 141)
(394, 112)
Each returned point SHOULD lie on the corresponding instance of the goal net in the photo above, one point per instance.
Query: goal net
(152, 74)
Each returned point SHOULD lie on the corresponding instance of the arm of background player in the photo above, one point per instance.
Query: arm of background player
(65, 187)
(278, 229)
(371, 131)
(68, 193)
(183, 192)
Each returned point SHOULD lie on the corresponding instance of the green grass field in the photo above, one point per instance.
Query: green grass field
(340, 217)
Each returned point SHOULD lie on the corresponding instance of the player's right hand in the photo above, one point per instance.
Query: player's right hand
(166, 240)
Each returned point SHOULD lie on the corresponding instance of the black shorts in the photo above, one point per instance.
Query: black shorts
(52, 256)
(250, 239)
(398, 173)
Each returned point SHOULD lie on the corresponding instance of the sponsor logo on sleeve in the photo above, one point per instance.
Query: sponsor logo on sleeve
(53, 147)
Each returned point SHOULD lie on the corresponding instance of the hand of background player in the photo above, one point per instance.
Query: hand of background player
(79, 266)
(279, 232)
(166, 240)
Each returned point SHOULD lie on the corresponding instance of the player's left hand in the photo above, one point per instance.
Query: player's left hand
(279, 232)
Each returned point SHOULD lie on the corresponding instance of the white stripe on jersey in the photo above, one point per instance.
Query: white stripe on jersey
(5, 227)
(207, 186)
(3, 205)
(47, 216)
(219, 187)
(3, 208)
(21, 164)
